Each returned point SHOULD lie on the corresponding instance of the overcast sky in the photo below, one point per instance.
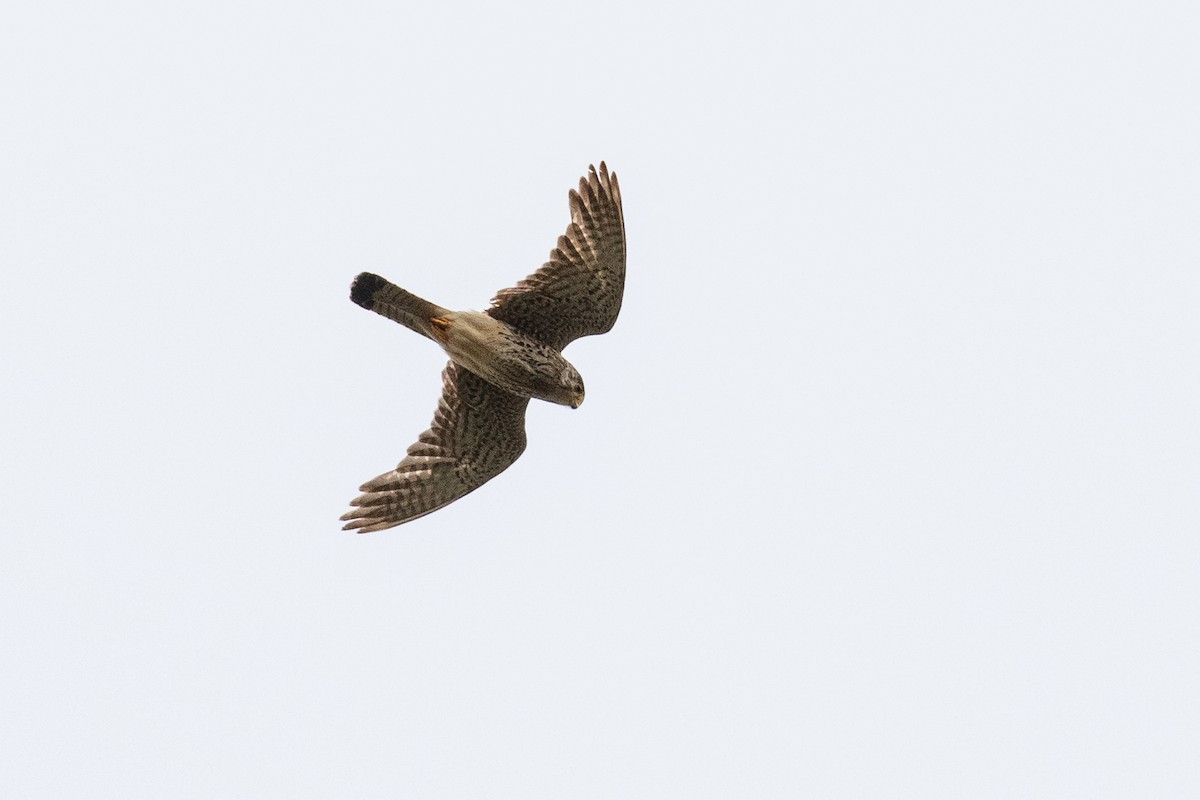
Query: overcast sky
(887, 480)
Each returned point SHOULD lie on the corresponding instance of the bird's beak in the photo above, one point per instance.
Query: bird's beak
(577, 400)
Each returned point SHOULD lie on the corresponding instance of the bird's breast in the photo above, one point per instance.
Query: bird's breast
(498, 353)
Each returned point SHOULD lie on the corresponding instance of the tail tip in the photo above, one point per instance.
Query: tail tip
(363, 290)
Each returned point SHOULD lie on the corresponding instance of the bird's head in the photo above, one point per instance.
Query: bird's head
(572, 387)
(555, 380)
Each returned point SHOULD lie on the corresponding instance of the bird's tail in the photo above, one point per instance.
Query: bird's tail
(379, 295)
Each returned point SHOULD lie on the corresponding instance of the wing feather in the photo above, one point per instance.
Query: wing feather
(478, 430)
(578, 291)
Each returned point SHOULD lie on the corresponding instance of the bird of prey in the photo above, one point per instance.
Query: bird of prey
(499, 358)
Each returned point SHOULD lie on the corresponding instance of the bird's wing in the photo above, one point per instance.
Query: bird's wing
(578, 291)
(478, 431)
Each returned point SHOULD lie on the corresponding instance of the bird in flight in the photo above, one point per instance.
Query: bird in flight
(499, 358)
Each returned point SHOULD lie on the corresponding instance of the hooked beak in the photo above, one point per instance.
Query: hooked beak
(577, 400)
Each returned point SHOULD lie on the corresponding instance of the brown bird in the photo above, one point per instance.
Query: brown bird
(499, 359)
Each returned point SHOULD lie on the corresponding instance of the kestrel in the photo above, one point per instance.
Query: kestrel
(499, 358)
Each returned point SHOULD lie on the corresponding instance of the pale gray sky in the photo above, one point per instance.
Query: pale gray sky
(886, 482)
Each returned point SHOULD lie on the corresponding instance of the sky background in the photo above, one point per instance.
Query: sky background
(887, 480)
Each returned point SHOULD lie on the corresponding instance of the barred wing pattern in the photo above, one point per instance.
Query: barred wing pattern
(578, 291)
(478, 431)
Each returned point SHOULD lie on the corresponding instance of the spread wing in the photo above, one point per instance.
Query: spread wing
(478, 431)
(578, 291)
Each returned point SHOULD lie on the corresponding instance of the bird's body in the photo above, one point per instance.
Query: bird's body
(493, 350)
(499, 359)
(502, 355)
